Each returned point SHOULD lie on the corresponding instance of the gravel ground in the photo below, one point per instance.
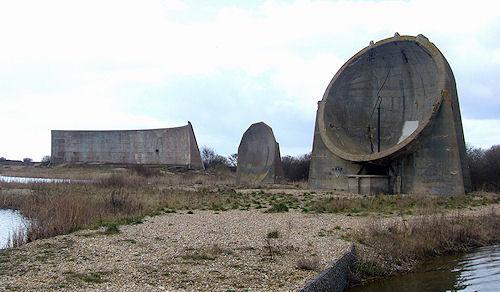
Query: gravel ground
(201, 251)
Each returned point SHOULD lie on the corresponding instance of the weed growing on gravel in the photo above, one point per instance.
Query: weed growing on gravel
(308, 263)
(112, 228)
(273, 243)
(90, 277)
(278, 208)
(198, 256)
(209, 253)
(273, 234)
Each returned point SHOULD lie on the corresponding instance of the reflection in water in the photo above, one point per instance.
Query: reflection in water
(10, 222)
(476, 271)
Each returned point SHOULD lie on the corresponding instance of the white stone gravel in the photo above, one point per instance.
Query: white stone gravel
(158, 254)
(204, 251)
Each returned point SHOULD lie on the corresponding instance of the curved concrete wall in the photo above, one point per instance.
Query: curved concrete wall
(169, 146)
(259, 158)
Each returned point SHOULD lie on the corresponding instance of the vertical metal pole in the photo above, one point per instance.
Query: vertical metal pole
(378, 126)
(401, 86)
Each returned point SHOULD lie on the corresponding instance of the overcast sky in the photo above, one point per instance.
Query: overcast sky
(108, 64)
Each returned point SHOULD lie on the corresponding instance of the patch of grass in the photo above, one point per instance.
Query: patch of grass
(278, 208)
(312, 263)
(206, 254)
(397, 204)
(88, 277)
(115, 180)
(146, 171)
(273, 234)
(198, 256)
(93, 277)
(112, 228)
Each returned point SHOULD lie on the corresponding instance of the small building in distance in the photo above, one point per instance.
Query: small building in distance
(259, 158)
(173, 147)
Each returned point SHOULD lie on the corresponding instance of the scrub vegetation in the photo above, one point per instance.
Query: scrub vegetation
(484, 168)
(126, 198)
(386, 249)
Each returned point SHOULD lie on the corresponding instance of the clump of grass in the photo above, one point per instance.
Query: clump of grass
(145, 171)
(198, 256)
(114, 180)
(398, 247)
(273, 234)
(112, 228)
(273, 243)
(90, 277)
(206, 254)
(312, 263)
(278, 208)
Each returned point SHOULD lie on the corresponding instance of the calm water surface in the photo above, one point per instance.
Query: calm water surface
(476, 271)
(30, 180)
(10, 222)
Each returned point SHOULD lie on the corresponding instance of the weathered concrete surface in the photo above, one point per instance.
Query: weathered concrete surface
(259, 158)
(368, 184)
(336, 277)
(169, 146)
(422, 146)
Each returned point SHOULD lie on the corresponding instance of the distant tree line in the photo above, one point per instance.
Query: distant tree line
(484, 168)
(296, 168)
(212, 160)
(484, 165)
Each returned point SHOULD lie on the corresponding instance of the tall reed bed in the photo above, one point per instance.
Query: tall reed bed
(56, 209)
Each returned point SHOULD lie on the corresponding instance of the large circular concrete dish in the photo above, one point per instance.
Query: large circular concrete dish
(405, 76)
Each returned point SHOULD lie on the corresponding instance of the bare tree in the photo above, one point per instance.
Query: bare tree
(484, 166)
(296, 168)
(46, 160)
(211, 159)
(232, 160)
